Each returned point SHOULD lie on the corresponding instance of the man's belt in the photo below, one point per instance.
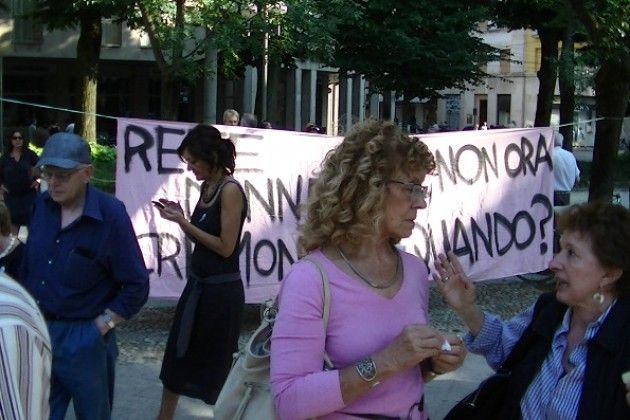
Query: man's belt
(52, 317)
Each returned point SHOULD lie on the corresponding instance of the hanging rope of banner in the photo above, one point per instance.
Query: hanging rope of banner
(74, 111)
(584, 122)
(109, 181)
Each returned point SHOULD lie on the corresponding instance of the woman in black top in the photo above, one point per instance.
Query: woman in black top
(206, 326)
(18, 183)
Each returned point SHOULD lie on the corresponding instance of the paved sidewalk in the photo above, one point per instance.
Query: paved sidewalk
(138, 392)
(581, 196)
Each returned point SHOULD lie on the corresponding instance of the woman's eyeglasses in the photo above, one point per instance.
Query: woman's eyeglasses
(415, 191)
(17, 137)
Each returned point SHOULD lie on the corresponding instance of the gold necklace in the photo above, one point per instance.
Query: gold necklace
(365, 279)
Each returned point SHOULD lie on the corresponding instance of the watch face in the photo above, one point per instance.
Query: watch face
(367, 369)
(107, 318)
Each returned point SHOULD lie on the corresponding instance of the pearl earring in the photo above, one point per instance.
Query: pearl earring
(598, 297)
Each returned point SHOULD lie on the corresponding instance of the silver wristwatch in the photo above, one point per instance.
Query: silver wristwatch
(107, 318)
(366, 369)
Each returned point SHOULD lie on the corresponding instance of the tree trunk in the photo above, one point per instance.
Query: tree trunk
(566, 81)
(88, 53)
(171, 83)
(170, 86)
(275, 108)
(547, 75)
(259, 87)
(612, 87)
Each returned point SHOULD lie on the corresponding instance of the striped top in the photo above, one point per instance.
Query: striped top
(25, 355)
(553, 393)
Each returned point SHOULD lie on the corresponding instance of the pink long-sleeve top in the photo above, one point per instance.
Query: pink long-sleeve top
(361, 323)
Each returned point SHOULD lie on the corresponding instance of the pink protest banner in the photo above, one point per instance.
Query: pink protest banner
(491, 201)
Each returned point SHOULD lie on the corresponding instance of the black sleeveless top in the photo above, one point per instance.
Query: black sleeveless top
(205, 262)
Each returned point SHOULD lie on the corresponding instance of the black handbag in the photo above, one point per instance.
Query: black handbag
(485, 402)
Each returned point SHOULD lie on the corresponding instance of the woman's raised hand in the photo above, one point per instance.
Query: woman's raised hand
(456, 288)
(458, 291)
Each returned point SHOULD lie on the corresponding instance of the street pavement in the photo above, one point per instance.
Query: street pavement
(138, 391)
(138, 388)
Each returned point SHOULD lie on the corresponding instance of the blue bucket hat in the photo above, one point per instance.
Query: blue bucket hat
(66, 151)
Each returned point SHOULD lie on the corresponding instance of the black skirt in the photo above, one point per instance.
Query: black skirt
(202, 370)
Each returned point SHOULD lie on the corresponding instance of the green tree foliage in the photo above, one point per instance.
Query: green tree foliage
(607, 24)
(179, 32)
(548, 18)
(238, 29)
(404, 45)
(296, 30)
(413, 46)
(275, 34)
(87, 15)
(169, 30)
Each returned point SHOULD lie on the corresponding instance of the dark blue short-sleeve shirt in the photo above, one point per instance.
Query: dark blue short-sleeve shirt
(92, 264)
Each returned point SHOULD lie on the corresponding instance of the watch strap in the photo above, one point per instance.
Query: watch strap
(107, 318)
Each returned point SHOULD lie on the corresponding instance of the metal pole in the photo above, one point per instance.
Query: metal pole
(361, 98)
(312, 96)
(348, 104)
(297, 113)
(265, 77)
(210, 82)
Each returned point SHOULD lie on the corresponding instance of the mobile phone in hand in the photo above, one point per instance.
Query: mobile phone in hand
(157, 204)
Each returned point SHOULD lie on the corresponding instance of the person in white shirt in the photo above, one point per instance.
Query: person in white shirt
(565, 171)
(25, 355)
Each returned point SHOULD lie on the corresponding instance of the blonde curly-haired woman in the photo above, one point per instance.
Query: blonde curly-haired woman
(365, 199)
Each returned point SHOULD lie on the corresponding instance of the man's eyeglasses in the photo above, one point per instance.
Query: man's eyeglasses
(415, 191)
(60, 174)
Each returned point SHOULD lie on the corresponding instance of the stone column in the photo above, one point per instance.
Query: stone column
(297, 116)
(312, 95)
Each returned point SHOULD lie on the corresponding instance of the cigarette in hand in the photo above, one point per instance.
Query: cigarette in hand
(625, 377)
(447, 347)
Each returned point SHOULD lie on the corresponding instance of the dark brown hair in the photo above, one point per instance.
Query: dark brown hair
(205, 143)
(608, 227)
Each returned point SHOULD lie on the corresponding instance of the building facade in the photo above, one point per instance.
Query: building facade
(39, 67)
(507, 97)
(40, 83)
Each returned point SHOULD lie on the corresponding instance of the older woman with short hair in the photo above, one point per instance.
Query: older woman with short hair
(364, 201)
(578, 338)
(230, 117)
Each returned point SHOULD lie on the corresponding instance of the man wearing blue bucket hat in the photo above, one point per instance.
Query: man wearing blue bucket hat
(83, 266)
